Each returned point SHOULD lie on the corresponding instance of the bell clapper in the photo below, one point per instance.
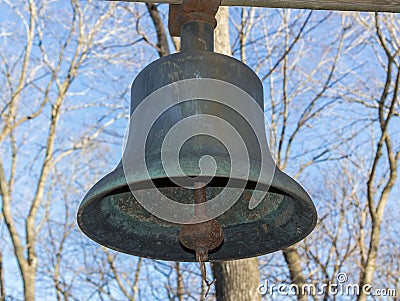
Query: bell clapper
(202, 237)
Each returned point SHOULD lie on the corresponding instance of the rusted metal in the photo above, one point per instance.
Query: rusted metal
(355, 5)
(192, 10)
(202, 237)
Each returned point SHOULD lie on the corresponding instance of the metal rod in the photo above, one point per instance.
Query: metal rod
(197, 35)
(356, 5)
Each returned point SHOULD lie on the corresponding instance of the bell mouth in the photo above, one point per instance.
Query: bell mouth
(115, 219)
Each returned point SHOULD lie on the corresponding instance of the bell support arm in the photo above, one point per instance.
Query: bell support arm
(355, 5)
(192, 10)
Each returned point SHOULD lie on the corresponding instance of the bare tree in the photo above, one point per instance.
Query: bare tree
(385, 151)
(297, 99)
(62, 82)
(38, 73)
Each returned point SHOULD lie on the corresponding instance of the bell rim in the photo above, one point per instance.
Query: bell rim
(279, 183)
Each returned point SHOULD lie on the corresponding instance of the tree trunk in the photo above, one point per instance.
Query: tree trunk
(236, 280)
(221, 33)
(162, 39)
(369, 269)
(2, 285)
(293, 262)
(29, 283)
(179, 282)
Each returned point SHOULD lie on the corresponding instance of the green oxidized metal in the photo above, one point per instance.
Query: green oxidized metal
(110, 214)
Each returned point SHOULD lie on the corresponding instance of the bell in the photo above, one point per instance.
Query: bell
(197, 155)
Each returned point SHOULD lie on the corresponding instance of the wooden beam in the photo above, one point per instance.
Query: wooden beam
(341, 5)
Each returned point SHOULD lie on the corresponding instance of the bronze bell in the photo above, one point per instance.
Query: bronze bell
(209, 96)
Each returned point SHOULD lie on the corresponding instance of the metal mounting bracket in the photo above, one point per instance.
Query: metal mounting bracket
(191, 10)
